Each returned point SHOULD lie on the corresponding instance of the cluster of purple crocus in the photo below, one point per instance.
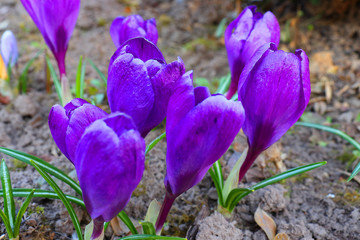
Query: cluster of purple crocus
(108, 150)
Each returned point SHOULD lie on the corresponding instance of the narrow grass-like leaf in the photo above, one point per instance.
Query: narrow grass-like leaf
(55, 79)
(125, 218)
(101, 75)
(340, 134)
(287, 174)
(106, 225)
(218, 188)
(221, 28)
(9, 204)
(147, 236)
(24, 74)
(39, 193)
(235, 196)
(224, 84)
(62, 197)
(233, 179)
(7, 224)
(26, 158)
(22, 212)
(154, 142)
(80, 75)
(148, 228)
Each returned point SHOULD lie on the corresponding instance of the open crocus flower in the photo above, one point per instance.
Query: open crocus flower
(8, 48)
(109, 162)
(275, 93)
(56, 21)
(125, 28)
(140, 82)
(67, 124)
(200, 128)
(246, 34)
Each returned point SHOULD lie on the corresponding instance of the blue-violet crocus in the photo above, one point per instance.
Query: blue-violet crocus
(125, 28)
(246, 34)
(56, 21)
(200, 128)
(67, 124)
(140, 82)
(275, 92)
(8, 48)
(109, 162)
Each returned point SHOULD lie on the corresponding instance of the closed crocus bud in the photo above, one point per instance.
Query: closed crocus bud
(275, 93)
(67, 124)
(140, 82)
(8, 48)
(199, 129)
(246, 34)
(125, 28)
(56, 21)
(109, 162)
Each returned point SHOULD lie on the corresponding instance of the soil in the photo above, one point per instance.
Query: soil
(317, 205)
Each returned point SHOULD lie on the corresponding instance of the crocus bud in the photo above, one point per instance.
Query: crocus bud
(56, 21)
(8, 48)
(246, 34)
(67, 124)
(275, 93)
(109, 162)
(125, 28)
(199, 129)
(140, 82)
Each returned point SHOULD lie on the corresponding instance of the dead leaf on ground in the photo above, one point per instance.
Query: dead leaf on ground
(282, 236)
(322, 63)
(266, 223)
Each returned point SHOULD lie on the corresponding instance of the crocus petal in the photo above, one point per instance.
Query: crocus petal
(109, 166)
(125, 28)
(114, 30)
(78, 122)
(181, 101)
(275, 93)
(140, 82)
(163, 83)
(9, 50)
(249, 31)
(199, 139)
(56, 21)
(201, 93)
(67, 124)
(139, 48)
(58, 123)
(129, 88)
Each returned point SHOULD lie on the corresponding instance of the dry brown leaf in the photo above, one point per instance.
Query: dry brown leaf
(282, 236)
(115, 224)
(266, 223)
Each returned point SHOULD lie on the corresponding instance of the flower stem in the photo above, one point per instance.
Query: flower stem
(251, 156)
(98, 229)
(164, 211)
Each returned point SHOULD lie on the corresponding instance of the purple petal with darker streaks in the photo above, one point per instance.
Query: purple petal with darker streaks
(109, 166)
(199, 139)
(129, 88)
(79, 121)
(58, 123)
(139, 48)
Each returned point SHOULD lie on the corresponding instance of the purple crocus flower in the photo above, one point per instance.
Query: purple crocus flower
(56, 21)
(140, 82)
(246, 34)
(8, 48)
(275, 93)
(67, 124)
(200, 128)
(109, 162)
(125, 28)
